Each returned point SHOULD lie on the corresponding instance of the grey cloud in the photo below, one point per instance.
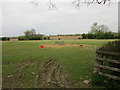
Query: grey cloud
(17, 17)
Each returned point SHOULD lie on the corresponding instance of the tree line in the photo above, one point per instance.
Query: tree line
(100, 32)
(5, 38)
(96, 32)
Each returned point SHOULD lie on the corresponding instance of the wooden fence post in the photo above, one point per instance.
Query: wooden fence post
(101, 58)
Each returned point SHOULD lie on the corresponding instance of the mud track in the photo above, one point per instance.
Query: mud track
(67, 45)
(53, 76)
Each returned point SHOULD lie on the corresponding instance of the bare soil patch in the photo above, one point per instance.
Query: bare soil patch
(64, 37)
(67, 45)
(14, 80)
(53, 76)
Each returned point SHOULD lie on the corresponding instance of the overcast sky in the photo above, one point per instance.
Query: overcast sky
(18, 17)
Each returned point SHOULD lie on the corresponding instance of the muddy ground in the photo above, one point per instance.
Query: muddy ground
(53, 76)
(67, 45)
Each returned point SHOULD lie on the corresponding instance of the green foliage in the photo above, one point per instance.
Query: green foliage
(22, 38)
(100, 35)
(109, 35)
(91, 36)
(100, 32)
(5, 38)
(27, 34)
(111, 46)
(46, 38)
(84, 36)
(98, 80)
(37, 37)
(31, 35)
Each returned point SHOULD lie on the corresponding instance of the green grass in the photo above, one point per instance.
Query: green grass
(78, 62)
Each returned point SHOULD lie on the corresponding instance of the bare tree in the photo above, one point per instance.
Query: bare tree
(35, 2)
(51, 4)
(99, 28)
(78, 3)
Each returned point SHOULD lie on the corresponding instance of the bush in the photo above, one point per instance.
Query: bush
(35, 38)
(91, 36)
(46, 38)
(100, 35)
(30, 38)
(58, 38)
(22, 38)
(111, 46)
(98, 80)
(5, 38)
(84, 36)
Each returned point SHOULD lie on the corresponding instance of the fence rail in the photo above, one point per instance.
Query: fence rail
(103, 57)
(108, 68)
(109, 76)
(108, 60)
(107, 52)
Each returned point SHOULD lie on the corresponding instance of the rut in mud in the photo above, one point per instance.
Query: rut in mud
(53, 76)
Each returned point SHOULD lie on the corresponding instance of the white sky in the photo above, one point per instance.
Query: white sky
(20, 16)
(47, 0)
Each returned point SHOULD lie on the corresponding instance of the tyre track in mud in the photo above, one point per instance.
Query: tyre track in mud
(53, 76)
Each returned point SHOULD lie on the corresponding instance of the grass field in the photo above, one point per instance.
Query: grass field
(23, 61)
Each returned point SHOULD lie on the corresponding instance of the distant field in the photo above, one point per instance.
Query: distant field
(13, 39)
(64, 37)
(25, 65)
